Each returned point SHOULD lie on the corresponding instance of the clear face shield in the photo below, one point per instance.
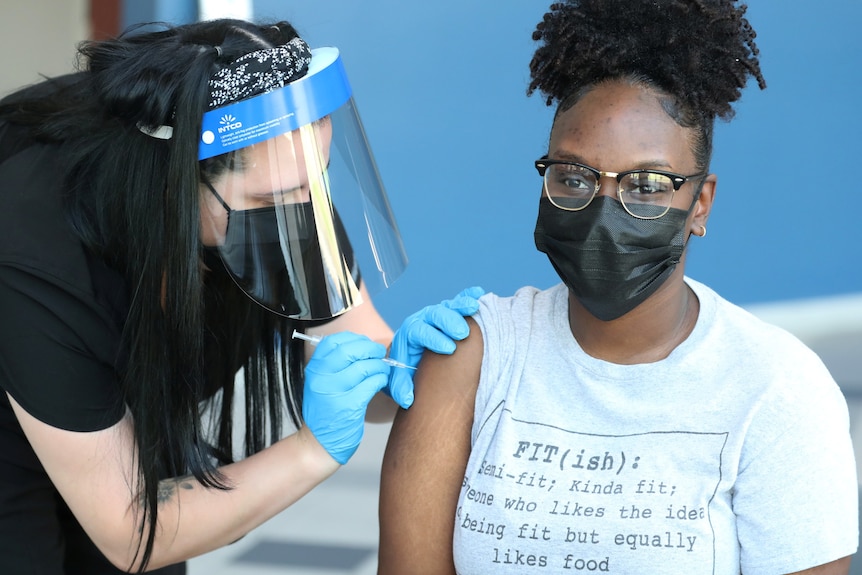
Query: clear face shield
(292, 200)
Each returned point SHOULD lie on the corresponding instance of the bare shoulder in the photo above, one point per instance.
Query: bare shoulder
(445, 385)
(452, 377)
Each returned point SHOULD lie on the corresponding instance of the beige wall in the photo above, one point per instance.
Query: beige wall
(39, 37)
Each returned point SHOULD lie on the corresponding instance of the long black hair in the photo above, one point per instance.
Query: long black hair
(697, 53)
(134, 201)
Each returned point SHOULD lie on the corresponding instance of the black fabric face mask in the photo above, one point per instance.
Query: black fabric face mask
(253, 256)
(610, 260)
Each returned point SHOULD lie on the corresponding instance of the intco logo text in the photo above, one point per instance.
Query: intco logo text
(228, 122)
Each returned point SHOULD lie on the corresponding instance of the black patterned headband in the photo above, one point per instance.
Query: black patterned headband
(259, 72)
(250, 75)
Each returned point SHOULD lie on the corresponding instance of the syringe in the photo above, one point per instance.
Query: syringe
(315, 339)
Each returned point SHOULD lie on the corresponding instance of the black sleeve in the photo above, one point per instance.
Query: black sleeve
(59, 340)
(57, 354)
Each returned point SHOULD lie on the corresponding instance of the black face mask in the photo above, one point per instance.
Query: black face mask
(610, 260)
(252, 254)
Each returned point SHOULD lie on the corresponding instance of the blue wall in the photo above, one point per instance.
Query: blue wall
(175, 11)
(441, 89)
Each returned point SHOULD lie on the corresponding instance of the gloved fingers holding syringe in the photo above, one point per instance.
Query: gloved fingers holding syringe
(345, 371)
(316, 339)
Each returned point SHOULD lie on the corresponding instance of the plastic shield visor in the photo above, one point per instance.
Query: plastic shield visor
(293, 202)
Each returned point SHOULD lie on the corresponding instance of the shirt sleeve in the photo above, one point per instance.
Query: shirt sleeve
(796, 496)
(58, 352)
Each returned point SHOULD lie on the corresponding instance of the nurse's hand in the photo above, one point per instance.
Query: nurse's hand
(435, 328)
(345, 371)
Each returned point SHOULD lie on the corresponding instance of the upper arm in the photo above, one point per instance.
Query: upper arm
(839, 567)
(424, 462)
(94, 472)
(57, 347)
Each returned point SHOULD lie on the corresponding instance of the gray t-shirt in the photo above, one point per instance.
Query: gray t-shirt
(731, 455)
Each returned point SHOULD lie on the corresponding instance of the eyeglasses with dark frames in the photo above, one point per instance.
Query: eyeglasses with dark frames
(644, 194)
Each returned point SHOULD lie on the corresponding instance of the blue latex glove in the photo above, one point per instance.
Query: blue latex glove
(434, 328)
(345, 371)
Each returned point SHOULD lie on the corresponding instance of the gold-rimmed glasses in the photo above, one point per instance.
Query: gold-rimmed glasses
(645, 194)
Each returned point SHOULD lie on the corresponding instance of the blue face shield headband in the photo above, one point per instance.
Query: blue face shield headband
(296, 162)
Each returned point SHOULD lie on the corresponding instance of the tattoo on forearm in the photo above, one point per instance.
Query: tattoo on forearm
(168, 487)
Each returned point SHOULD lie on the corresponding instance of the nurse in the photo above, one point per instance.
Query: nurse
(171, 214)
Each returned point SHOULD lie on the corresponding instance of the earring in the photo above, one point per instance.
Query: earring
(703, 227)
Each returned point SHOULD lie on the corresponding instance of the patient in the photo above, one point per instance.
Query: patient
(628, 420)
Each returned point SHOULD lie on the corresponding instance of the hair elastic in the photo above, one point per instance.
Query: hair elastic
(159, 132)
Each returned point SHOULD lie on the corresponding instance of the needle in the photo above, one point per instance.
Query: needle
(315, 339)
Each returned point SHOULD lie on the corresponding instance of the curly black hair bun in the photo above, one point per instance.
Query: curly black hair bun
(701, 52)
